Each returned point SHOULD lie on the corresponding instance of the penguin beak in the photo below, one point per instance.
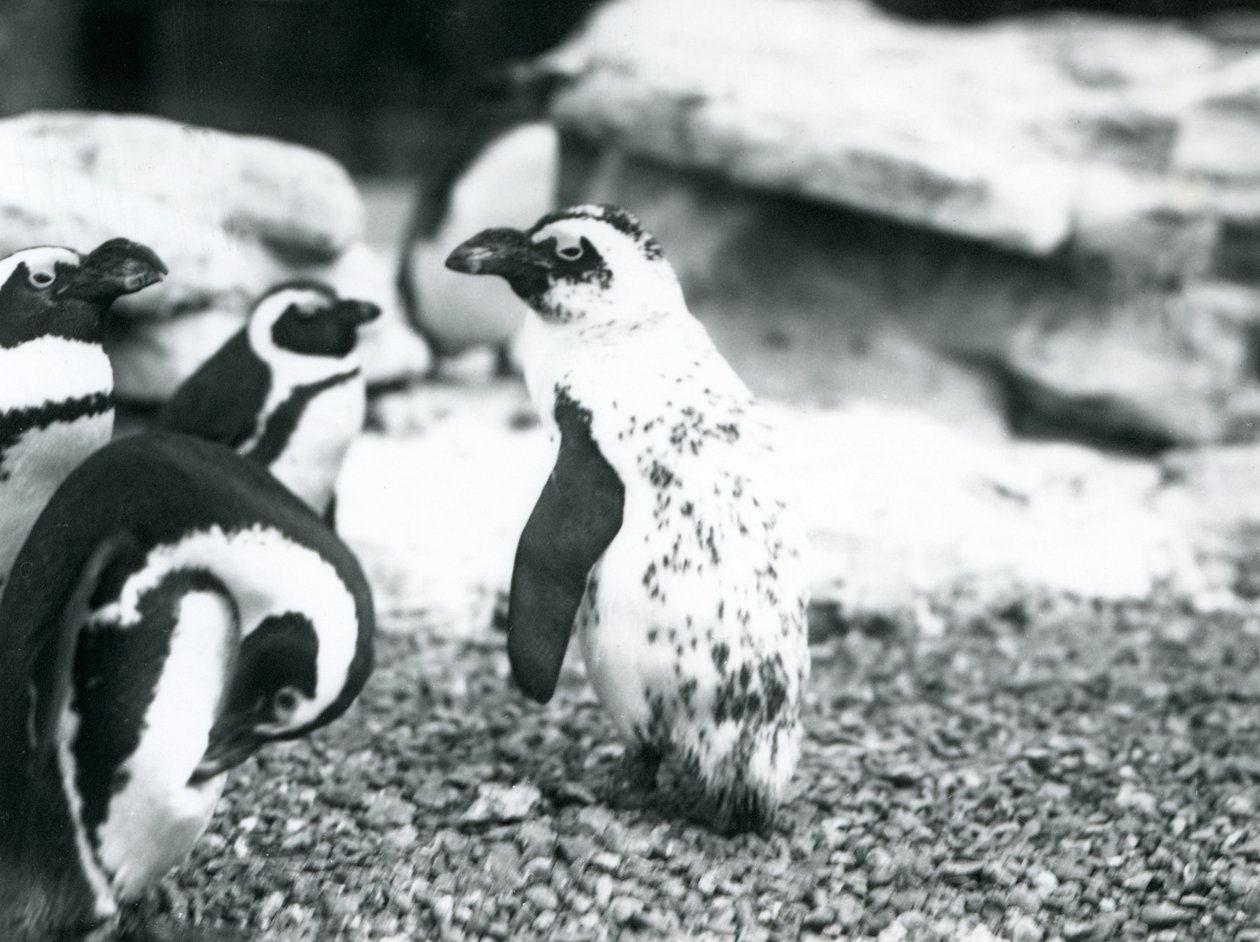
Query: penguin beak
(504, 252)
(112, 269)
(356, 313)
(232, 740)
(508, 253)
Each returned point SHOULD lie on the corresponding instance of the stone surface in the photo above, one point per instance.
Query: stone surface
(230, 216)
(904, 514)
(907, 315)
(1214, 494)
(296, 200)
(837, 101)
(1068, 204)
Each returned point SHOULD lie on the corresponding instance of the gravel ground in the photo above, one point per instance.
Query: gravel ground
(1091, 773)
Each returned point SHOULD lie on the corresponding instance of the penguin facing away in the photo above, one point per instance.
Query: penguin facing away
(662, 536)
(512, 179)
(286, 391)
(56, 384)
(174, 610)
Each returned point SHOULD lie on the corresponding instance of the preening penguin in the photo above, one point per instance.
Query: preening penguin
(662, 535)
(56, 384)
(286, 391)
(174, 610)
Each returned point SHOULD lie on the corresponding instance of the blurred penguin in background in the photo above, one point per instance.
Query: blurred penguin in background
(512, 181)
(491, 159)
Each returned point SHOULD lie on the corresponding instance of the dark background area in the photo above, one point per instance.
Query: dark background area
(373, 83)
(365, 82)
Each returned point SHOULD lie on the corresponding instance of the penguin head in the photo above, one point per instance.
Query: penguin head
(308, 319)
(48, 290)
(590, 264)
(276, 693)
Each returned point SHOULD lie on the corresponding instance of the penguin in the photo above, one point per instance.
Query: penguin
(286, 390)
(56, 383)
(174, 610)
(663, 536)
(510, 176)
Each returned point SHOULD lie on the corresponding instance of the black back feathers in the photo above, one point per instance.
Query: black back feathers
(221, 402)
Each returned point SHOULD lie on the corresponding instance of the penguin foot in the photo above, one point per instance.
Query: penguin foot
(639, 765)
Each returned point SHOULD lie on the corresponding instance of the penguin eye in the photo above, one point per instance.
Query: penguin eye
(570, 253)
(284, 704)
(40, 279)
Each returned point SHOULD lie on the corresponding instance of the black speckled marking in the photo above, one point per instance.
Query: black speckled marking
(621, 220)
(774, 686)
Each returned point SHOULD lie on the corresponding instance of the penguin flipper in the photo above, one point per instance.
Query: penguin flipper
(54, 668)
(220, 402)
(576, 517)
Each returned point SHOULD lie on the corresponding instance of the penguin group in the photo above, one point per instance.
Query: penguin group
(173, 600)
(176, 599)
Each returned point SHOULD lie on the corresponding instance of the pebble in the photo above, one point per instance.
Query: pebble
(1045, 882)
(959, 871)
(576, 847)
(819, 919)
(536, 837)
(542, 896)
(1075, 930)
(603, 890)
(386, 809)
(1025, 929)
(1164, 915)
(539, 869)
(606, 861)
(1131, 797)
(502, 804)
(624, 909)
(403, 838)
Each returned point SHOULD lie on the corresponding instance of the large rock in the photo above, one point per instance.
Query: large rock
(230, 216)
(1069, 202)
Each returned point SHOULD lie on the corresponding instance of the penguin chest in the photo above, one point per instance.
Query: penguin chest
(311, 459)
(633, 644)
(33, 466)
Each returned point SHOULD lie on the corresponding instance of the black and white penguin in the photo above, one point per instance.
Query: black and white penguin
(662, 536)
(174, 610)
(56, 384)
(286, 391)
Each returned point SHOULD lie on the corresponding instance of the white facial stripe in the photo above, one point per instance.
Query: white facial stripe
(288, 369)
(156, 817)
(68, 728)
(566, 236)
(43, 258)
(267, 574)
(52, 369)
(272, 308)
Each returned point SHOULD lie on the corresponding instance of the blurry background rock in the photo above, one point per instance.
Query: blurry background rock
(230, 215)
(928, 242)
(1066, 204)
